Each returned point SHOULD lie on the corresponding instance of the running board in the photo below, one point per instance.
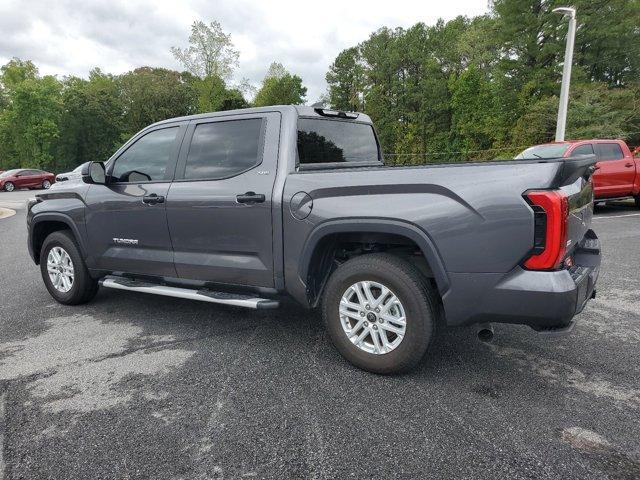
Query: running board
(237, 300)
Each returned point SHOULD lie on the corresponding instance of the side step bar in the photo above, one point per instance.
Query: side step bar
(237, 300)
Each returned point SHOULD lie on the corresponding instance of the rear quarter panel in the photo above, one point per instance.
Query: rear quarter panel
(474, 215)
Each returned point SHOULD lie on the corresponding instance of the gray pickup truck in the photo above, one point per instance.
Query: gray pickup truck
(247, 207)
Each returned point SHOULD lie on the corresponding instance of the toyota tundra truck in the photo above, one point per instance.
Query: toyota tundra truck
(250, 207)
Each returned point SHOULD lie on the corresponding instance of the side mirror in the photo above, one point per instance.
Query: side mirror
(94, 172)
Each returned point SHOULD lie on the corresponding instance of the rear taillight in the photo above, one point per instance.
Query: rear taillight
(551, 216)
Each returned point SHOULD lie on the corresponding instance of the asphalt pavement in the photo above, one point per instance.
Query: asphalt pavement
(140, 386)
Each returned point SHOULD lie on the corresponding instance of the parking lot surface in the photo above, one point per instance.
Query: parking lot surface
(141, 386)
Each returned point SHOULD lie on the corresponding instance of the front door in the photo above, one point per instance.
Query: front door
(615, 174)
(27, 179)
(219, 206)
(126, 219)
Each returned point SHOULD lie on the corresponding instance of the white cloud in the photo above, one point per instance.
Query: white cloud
(71, 37)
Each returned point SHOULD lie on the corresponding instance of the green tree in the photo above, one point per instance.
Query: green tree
(346, 81)
(15, 72)
(29, 124)
(210, 60)
(475, 119)
(279, 87)
(210, 52)
(490, 83)
(91, 124)
(595, 111)
(608, 41)
(214, 95)
(153, 94)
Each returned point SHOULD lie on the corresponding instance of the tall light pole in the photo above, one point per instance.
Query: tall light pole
(566, 71)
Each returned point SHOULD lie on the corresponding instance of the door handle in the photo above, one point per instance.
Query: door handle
(628, 164)
(152, 199)
(250, 197)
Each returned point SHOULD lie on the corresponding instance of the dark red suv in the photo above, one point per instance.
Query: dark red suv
(25, 178)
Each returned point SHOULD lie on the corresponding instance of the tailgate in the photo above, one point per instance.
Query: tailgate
(563, 214)
(574, 178)
(580, 195)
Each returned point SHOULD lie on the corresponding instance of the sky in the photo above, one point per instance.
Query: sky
(71, 37)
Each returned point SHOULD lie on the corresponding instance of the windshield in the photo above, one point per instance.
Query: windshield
(543, 151)
(332, 141)
(8, 173)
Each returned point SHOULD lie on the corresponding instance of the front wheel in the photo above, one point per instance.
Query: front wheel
(637, 199)
(380, 313)
(46, 184)
(9, 187)
(63, 270)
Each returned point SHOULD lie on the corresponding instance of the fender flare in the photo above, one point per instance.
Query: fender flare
(377, 225)
(56, 217)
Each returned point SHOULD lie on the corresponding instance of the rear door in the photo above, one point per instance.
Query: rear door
(219, 206)
(38, 178)
(126, 219)
(615, 175)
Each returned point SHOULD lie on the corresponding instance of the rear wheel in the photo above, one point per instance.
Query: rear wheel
(46, 184)
(380, 313)
(9, 187)
(637, 199)
(63, 270)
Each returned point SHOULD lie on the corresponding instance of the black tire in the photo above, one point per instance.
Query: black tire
(46, 184)
(84, 288)
(416, 295)
(9, 187)
(637, 199)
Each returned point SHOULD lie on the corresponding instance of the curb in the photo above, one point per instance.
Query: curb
(6, 213)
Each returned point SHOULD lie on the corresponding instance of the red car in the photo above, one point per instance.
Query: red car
(617, 174)
(25, 178)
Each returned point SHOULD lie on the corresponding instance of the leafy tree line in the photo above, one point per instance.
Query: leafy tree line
(57, 124)
(469, 88)
(485, 87)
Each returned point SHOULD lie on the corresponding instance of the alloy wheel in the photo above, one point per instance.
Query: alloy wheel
(372, 317)
(60, 269)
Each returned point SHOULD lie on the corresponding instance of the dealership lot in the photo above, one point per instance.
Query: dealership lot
(139, 386)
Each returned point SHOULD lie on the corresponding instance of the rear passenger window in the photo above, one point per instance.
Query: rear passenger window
(583, 150)
(609, 151)
(223, 149)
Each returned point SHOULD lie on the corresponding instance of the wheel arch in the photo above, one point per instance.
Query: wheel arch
(316, 262)
(44, 224)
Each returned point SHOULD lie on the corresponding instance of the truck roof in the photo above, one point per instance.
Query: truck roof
(587, 140)
(299, 110)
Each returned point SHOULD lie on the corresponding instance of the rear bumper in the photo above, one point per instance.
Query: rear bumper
(543, 300)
